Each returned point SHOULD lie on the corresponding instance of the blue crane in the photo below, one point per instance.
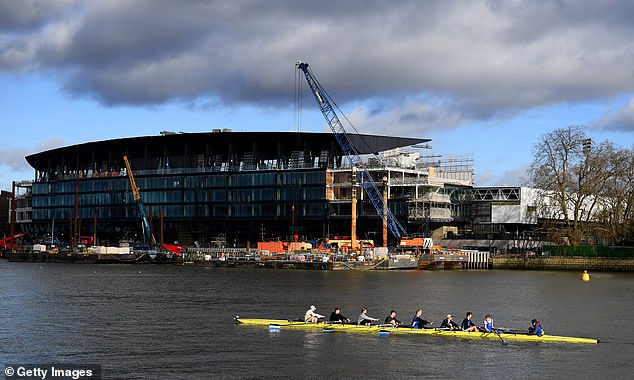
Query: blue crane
(366, 181)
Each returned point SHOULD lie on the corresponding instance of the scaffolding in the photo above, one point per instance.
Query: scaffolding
(454, 168)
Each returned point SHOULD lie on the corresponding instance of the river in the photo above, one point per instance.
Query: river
(162, 321)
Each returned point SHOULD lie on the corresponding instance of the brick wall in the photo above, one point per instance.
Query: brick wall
(564, 263)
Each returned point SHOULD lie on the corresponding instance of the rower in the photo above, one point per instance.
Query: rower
(418, 322)
(488, 323)
(364, 319)
(337, 317)
(449, 324)
(391, 319)
(311, 316)
(536, 328)
(467, 324)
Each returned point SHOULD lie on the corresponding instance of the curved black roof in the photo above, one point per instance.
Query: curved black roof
(264, 145)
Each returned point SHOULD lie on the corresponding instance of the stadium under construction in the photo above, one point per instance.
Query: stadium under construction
(236, 188)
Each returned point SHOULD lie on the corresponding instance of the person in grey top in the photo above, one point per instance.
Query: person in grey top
(364, 319)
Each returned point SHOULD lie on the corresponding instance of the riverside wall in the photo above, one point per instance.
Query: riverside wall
(606, 264)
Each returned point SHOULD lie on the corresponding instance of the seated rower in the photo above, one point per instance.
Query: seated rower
(364, 319)
(418, 322)
(536, 328)
(488, 323)
(467, 324)
(448, 323)
(391, 319)
(311, 316)
(337, 317)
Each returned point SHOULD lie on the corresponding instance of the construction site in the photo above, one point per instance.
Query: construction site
(230, 190)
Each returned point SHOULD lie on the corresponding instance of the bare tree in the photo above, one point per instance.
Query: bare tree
(617, 199)
(570, 172)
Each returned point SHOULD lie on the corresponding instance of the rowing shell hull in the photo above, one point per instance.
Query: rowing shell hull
(285, 324)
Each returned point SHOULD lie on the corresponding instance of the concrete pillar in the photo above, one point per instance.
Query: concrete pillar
(384, 211)
(353, 224)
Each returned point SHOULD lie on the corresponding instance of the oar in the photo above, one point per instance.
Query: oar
(277, 326)
(497, 332)
(446, 329)
(514, 331)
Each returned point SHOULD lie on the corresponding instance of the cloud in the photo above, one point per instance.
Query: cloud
(14, 158)
(415, 117)
(485, 58)
(620, 120)
(511, 177)
(24, 15)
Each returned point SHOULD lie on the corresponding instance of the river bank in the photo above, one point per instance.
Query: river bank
(563, 263)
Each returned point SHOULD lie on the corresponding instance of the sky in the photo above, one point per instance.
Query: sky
(481, 79)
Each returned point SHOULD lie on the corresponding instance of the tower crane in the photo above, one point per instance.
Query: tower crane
(148, 238)
(364, 177)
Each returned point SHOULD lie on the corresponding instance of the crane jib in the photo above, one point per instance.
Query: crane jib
(364, 177)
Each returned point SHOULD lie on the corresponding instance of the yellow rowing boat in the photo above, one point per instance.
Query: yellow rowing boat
(279, 324)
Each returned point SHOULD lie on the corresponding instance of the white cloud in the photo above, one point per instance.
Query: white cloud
(511, 177)
(621, 119)
(14, 160)
(407, 118)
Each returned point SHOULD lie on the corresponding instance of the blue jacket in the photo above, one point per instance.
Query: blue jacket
(536, 330)
(419, 323)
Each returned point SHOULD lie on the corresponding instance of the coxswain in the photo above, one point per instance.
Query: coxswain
(536, 328)
(337, 317)
(311, 316)
(467, 324)
(364, 319)
(418, 322)
(449, 324)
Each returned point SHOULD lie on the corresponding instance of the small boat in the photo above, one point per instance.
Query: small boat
(282, 324)
(400, 261)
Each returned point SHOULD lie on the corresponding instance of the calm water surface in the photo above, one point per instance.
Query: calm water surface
(152, 321)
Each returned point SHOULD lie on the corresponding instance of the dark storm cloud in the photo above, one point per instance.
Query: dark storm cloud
(451, 60)
(24, 15)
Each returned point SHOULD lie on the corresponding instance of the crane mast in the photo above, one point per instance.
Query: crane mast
(364, 177)
(148, 238)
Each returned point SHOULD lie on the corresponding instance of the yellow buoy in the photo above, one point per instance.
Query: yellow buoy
(585, 276)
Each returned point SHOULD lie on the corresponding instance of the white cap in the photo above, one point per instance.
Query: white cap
(313, 307)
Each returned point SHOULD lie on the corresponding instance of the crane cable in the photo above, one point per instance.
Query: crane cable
(297, 122)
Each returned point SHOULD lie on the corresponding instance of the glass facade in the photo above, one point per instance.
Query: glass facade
(244, 185)
(263, 196)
